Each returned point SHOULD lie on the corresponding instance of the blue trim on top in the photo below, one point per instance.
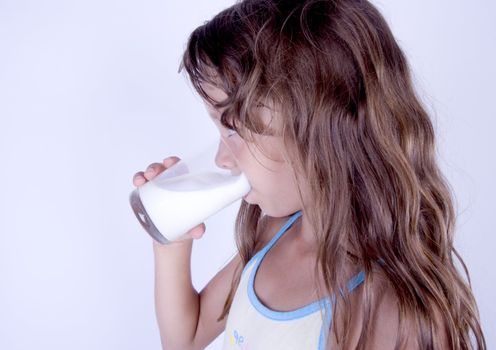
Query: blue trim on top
(294, 314)
(283, 229)
(327, 323)
(300, 312)
(352, 284)
(272, 241)
(272, 314)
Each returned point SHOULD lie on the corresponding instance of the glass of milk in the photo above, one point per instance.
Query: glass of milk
(184, 195)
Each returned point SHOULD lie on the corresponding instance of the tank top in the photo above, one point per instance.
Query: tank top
(253, 326)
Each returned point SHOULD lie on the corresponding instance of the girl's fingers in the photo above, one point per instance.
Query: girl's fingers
(139, 179)
(170, 161)
(197, 231)
(153, 170)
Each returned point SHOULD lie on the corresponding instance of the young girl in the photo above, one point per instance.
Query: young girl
(346, 238)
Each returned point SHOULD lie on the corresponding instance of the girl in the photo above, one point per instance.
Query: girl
(346, 239)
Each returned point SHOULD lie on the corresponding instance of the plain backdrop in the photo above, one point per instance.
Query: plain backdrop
(90, 94)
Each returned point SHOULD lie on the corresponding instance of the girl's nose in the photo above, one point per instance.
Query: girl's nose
(224, 157)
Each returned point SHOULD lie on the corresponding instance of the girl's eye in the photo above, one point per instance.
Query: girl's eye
(231, 132)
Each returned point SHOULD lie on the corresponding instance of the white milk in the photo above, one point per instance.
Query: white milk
(177, 204)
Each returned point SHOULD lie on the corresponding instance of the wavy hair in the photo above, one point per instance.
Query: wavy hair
(358, 137)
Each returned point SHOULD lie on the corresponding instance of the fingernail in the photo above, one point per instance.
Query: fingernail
(150, 170)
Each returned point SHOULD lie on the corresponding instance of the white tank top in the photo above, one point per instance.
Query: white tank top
(253, 326)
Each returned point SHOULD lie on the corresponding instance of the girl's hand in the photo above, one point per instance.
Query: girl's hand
(153, 170)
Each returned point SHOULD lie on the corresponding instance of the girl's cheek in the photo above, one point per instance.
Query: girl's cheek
(269, 150)
(239, 150)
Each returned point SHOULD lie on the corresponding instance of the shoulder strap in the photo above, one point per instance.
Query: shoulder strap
(274, 239)
(281, 231)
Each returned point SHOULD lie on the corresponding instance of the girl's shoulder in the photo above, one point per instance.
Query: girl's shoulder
(384, 318)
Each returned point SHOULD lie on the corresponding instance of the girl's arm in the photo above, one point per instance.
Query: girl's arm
(212, 299)
(187, 320)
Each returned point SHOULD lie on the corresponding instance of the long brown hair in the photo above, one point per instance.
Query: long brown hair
(358, 135)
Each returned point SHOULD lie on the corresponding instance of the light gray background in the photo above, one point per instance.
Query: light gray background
(89, 95)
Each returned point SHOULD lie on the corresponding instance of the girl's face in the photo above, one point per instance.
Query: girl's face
(270, 175)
